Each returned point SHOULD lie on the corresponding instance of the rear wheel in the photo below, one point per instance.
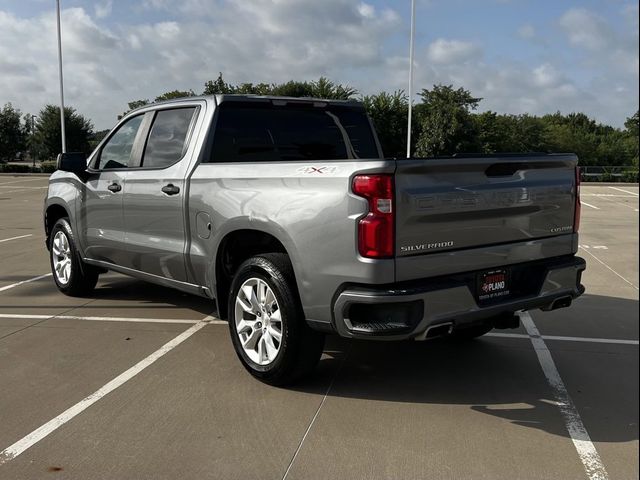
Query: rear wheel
(73, 277)
(266, 322)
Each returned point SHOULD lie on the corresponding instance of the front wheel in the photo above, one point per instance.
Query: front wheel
(73, 277)
(266, 322)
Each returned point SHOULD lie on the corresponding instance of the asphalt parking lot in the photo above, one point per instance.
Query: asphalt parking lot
(87, 391)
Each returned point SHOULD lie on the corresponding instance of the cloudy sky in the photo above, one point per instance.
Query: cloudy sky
(533, 56)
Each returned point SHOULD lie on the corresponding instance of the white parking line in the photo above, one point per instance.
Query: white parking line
(626, 191)
(613, 195)
(16, 238)
(216, 321)
(17, 284)
(582, 442)
(612, 270)
(34, 437)
(506, 335)
(609, 200)
(592, 340)
(26, 180)
(582, 202)
(21, 190)
(615, 341)
(315, 416)
(19, 316)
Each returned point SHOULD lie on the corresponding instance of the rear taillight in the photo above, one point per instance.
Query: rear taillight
(576, 215)
(375, 230)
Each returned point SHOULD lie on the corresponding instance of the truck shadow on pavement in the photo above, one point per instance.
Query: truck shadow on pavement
(500, 377)
(129, 289)
(117, 291)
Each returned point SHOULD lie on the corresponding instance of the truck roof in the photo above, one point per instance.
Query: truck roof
(272, 98)
(227, 97)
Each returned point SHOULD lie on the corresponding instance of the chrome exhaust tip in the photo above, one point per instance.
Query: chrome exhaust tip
(562, 302)
(435, 331)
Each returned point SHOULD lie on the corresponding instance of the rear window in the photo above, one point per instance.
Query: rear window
(252, 133)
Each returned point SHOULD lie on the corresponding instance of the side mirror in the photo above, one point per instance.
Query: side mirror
(74, 162)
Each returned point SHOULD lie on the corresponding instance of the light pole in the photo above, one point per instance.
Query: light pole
(33, 153)
(411, 42)
(64, 139)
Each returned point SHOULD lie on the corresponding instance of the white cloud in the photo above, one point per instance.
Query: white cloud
(631, 13)
(613, 53)
(586, 29)
(249, 41)
(443, 51)
(350, 41)
(512, 87)
(527, 31)
(546, 76)
(366, 10)
(103, 10)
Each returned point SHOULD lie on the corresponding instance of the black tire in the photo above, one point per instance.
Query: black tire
(82, 278)
(300, 347)
(466, 334)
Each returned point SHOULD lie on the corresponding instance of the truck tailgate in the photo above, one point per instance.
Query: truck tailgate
(463, 203)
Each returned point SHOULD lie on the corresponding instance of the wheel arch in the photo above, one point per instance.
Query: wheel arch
(53, 213)
(234, 248)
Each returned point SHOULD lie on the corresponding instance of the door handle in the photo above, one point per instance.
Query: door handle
(114, 187)
(171, 189)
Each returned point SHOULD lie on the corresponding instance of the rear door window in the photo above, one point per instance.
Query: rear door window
(168, 137)
(250, 132)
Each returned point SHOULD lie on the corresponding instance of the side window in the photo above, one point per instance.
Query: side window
(116, 153)
(167, 139)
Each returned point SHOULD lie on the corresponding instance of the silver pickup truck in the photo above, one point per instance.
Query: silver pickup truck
(285, 212)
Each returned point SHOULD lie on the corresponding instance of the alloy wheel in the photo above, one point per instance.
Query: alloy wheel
(258, 321)
(61, 256)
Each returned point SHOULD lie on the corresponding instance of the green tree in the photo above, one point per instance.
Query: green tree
(217, 86)
(133, 105)
(594, 143)
(325, 88)
(97, 137)
(12, 135)
(389, 111)
(491, 133)
(253, 89)
(28, 127)
(173, 94)
(292, 89)
(445, 120)
(47, 136)
(613, 149)
(632, 129)
(322, 88)
(632, 124)
(564, 138)
(28, 122)
(527, 133)
(508, 133)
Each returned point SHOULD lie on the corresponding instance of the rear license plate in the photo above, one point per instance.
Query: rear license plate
(493, 285)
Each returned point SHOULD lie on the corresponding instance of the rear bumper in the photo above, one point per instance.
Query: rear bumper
(407, 310)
